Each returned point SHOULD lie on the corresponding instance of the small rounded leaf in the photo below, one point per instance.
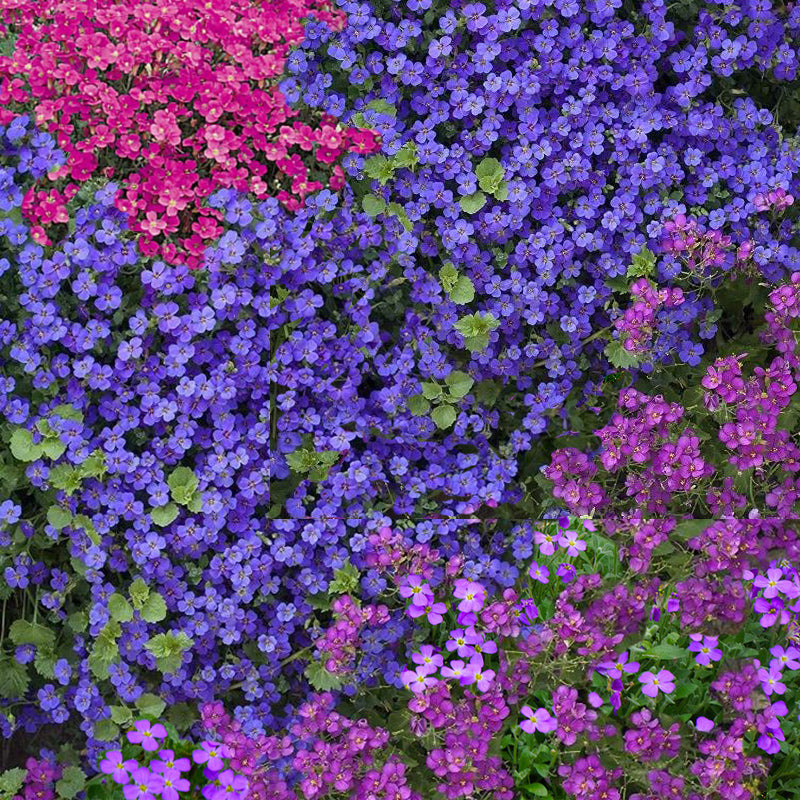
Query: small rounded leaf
(443, 416)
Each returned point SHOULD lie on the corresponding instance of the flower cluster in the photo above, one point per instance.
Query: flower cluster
(174, 103)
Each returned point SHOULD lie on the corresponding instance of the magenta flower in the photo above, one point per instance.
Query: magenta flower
(419, 679)
(595, 701)
(771, 681)
(427, 656)
(118, 769)
(173, 783)
(705, 647)
(773, 583)
(466, 618)
(771, 612)
(478, 642)
(211, 752)
(539, 720)
(613, 669)
(527, 611)
(146, 735)
(166, 761)
(538, 573)
(477, 674)
(573, 544)
(232, 785)
(471, 594)
(417, 589)
(145, 785)
(454, 670)
(566, 572)
(434, 612)
(458, 642)
(547, 542)
(703, 724)
(653, 684)
(784, 658)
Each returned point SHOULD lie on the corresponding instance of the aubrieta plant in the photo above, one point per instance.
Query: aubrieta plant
(169, 769)
(537, 158)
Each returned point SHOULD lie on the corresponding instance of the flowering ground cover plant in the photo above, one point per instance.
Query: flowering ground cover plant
(398, 401)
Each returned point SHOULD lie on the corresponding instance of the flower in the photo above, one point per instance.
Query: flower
(703, 724)
(655, 683)
(705, 647)
(538, 573)
(210, 753)
(114, 765)
(539, 720)
(147, 735)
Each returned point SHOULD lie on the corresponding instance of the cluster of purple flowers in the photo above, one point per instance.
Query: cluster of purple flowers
(539, 148)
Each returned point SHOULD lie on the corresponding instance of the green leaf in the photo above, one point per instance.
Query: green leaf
(383, 107)
(490, 168)
(122, 715)
(64, 477)
(24, 632)
(406, 156)
(119, 608)
(643, 264)
(106, 730)
(690, 528)
(53, 448)
(619, 356)
(78, 621)
(168, 649)
(182, 716)
(380, 168)
(320, 678)
(11, 781)
(14, 679)
(430, 391)
(151, 704)
(443, 416)
(398, 211)
(537, 789)
(487, 392)
(59, 517)
(94, 466)
(196, 503)
(472, 203)
(138, 592)
(373, 205)
(345, 580)
(459, 383)
(68, 412)
(154, 608)
(501, 191)
(163, 515)
(22, 446)
(183, 477)
(667, 652)
(463, 292)
(45, 664)
(418, 405)
(448, 276)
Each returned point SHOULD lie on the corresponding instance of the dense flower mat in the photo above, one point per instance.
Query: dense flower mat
(399, 400)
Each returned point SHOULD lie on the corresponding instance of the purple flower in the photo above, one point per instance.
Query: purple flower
(566, 572)
(573, 544)
(785, 657)
(211, 753)
(428, 657)
(472, 595)
(419, 679)
(146, 735)
(538, 573)
(166, 761)
(705, 647)
(539, 720)
(614, 669)
(547, 542)
(433, 612)
(771, 681)
(417, 589)
(703, 724)
(773, 583)
(231, 785)
(661, 682)
(477, 674)
(144, 785)
(455, 669)
(114, 765)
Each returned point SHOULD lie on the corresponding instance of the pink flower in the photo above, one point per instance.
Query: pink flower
(538, 573)
(703, 724)
(428, 657)
(475, 673)
(417, 589)
(114, 765)
(455, 669)
(539, 720)
(211, 753)
(771, 681)
(146, 735)
(785, 658)
(773, 583)
(613, 669)
(546, 542)
(419, 679)
(472, 595)
(661, 682)
(434, 612)
(572, 543)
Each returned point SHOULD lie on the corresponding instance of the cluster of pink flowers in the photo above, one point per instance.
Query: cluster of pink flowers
(778, 199)
(702, 250)
(638, 322)
(173, 100)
